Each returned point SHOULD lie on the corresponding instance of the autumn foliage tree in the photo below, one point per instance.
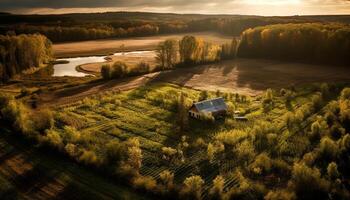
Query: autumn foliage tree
(311, 42)
(22, 52)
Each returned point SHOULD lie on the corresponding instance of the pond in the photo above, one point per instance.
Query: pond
(67, 67)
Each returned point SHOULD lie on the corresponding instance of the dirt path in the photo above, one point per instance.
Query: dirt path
(37, 175)
(74, 94)
(245, 76)
(108, 46)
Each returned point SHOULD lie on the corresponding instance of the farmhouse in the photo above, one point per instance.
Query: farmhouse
(215, 107)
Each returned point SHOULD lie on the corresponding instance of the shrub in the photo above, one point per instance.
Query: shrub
(43, 120)
(207, 117)
(344, 108)
(134, 154)
(307, 182)
(262, 162)
(203, 95)
(119, 70)
(145, 183)
(245, 151)
(169, 153)
(332, 170)
(280, 195)
(345, 94)
(328, 149)
(216, 192)
(241, 192)
(54, 139)
(70, 134)
(281, 167)
(18, 115)
(310, 158)
(345, 143)
(72, 150)
(316, 129)
(106, 71)
(114, 151)
(337, 131)
(317, 102)
(89, 158)
(192, 188)
(167, 179)
(268, 100)
(210, 152)
(232, 137)
(199, 143)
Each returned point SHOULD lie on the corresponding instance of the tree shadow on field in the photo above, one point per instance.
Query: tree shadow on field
(33, 181)
(180, 76)
(228, 68)
(261, 74)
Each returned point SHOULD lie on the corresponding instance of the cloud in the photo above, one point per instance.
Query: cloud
(258, 7)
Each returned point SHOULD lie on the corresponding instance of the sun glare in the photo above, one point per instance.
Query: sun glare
(272, 2)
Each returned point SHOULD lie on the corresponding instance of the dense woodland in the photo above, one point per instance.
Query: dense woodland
(77, 27)
(23, 52)
(314, 42)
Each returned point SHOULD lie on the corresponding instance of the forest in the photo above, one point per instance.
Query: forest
(313, 42)
(23, 52)
(62, 28)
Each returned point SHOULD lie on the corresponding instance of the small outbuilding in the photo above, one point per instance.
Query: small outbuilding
(215, 107)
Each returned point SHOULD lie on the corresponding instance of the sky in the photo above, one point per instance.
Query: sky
(244, 7)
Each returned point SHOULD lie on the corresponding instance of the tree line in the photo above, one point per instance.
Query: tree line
(311, 42)
(171, 53)
(66, 29)
(22, 52)
(80, 33)
(191, 50)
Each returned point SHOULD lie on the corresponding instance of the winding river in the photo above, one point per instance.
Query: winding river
(69, 68)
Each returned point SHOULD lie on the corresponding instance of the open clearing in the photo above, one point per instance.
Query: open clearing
(105, 47)
(244, 76)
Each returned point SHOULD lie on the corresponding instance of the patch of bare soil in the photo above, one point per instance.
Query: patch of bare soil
(67, 96)
(253, 76)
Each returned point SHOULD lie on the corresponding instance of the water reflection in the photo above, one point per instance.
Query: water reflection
(69, 69)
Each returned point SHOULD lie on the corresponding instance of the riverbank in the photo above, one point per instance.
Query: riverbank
(131, 59)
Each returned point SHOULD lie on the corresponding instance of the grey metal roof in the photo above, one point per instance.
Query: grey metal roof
(211, 105)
